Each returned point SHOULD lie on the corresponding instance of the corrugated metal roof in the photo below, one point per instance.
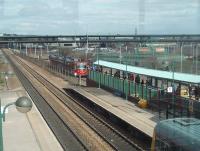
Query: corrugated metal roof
(190, 78)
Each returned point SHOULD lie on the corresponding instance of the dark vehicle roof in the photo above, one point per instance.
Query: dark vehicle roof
(181, 132)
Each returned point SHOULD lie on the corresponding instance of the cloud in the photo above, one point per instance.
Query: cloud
(99, 16)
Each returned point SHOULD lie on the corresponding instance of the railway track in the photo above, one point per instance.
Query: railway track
(55, 123)
(113, 137)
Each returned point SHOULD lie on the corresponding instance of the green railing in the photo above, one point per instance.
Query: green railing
(129, 88)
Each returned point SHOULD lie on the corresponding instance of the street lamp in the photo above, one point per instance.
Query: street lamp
(181, 57)
(6, 78)
(173, 88)
(197, 47)
(126, 72)
(98, 67)
(120, 57)
(23, 105)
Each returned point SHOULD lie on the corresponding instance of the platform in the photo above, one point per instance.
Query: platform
(141, 119)
(23, 132)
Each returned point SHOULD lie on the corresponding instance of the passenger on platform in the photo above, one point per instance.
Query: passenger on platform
(197, 93)
(137, 79)
(162, 91)
(97, 68)
(149, 82)
(101, 69)
(178, 90)
(93, 68)
(190, 91)
(117, 74)
(131, 77)
(142, 82)
(167, 68)
(124, 76)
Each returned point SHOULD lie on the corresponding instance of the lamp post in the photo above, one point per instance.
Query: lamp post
(35, 51)
(120, 57)
(86, 52)
(181, 57)
(41, 52)
(6, 78)
(26, 50)
(98, 67)
(23, 105)
(48, 49)
(126, 72)
(173, 88)
(197, 47)
(20, 47)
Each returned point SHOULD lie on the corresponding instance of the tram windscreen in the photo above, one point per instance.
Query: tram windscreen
(82, 66)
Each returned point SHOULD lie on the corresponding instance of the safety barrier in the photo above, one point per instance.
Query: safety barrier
(127, 87)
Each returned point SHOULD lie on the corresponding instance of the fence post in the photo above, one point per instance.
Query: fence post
(159, 109)
(135, 89)
(167, 112)
(146, 92)
(142, 90)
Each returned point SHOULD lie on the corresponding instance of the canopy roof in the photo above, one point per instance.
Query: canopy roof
(189, 78)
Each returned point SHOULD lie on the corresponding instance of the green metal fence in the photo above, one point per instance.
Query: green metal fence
(129, 88)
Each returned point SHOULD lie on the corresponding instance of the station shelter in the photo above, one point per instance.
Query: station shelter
(136, 83)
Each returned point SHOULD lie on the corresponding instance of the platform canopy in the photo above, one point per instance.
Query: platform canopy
(188, 78)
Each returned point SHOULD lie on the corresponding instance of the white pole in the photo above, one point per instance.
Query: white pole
(197, 58)
(98, 66)
(120, 54)
(58, 44)
(32, 49)
(35, 51)
(26, 50)
(20, 47)
(75, 41)
(192, 58)
(126, 60)
(41, 52)
(181, 58)
(47, 48)
(168, 51)
(173, 58)
(87, 47)
(126, 71)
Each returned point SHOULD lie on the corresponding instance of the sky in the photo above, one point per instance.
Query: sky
(65, 17)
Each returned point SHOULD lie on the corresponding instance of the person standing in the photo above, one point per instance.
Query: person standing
(190, 91)
(137, 79)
